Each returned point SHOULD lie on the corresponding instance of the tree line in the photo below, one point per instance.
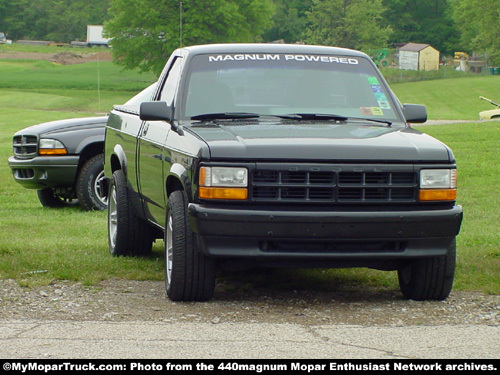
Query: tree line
(145, 32)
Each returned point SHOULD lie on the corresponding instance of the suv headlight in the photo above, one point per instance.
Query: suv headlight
(51, 147)
(438, 185)
(223, 183)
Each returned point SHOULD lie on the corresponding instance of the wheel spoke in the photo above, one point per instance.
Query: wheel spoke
(168, 250)
(113, 217)
(99, 187)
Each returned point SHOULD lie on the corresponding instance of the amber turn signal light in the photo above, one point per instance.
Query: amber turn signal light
(438, 194)
(223, 193)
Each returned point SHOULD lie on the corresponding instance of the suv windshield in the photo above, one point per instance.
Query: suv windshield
(286, 84)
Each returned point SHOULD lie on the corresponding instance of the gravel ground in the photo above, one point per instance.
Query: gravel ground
(125, 300)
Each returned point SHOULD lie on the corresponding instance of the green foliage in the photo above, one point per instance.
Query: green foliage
(479, 23)
(423, 21)
(56, 20)
(289, 20)
(145, 33)
(353, 24)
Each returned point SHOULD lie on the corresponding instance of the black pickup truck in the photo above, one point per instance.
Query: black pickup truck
(266, 155)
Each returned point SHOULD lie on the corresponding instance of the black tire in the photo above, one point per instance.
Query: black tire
(127, 233)
(49, 199)
(90, 185)
(429, 278)
(189, 275)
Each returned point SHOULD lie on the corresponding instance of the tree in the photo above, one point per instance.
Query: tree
(479, 23)
(10, 21)
(423, 21)
(347, 23)
(289, 21)
(146, 32)
(57, 20)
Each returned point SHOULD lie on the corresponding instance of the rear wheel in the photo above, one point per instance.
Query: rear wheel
(189, 275)
(127, 233)
(429, 278)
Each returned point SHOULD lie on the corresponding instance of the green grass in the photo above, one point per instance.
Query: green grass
(71, 244)
(451, 99)
(476, 148)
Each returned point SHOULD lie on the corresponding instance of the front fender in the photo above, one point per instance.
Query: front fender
(117, 160)
(178, 178)
(96, 139)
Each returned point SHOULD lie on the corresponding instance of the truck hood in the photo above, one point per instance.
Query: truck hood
(54, 127)
(318, 141)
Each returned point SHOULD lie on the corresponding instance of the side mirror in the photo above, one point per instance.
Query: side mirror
(415, 113)
(155, 111)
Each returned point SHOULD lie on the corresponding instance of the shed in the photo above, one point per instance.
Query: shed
(416, 56)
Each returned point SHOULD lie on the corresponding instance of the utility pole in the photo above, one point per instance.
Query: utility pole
(180, 24)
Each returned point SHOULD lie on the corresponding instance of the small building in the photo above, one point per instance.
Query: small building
(416, 56)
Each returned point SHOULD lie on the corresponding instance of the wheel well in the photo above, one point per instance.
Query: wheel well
(89, 152)
(173, 184)
(115, 163)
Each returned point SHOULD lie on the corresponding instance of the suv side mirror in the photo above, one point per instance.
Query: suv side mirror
(415, 113)
(155, 111)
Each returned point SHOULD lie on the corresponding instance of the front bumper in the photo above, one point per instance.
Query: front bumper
(320, 235)
(44, 172)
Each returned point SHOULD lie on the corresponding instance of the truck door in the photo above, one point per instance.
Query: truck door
(152, 137)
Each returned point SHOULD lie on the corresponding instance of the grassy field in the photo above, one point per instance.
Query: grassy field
(451, 99)
(39, 245)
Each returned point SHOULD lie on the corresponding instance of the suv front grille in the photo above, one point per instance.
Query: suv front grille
(338, 185)
(25, 146)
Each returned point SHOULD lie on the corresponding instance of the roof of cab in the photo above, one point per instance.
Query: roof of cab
(269, 48)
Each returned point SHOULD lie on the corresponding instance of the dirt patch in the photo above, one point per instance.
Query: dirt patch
(125, 300)
(63, 58)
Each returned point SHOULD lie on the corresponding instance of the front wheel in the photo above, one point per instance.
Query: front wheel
(90, 185)
(189, 275)
(429, 278)
(48, 198)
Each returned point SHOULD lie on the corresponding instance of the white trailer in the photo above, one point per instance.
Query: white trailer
(94, 36)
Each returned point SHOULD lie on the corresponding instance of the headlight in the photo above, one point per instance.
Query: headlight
(438, 184)
(223, 183)
(51, 147)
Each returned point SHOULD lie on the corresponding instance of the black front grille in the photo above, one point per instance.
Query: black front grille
(338, 185)
(25, 146)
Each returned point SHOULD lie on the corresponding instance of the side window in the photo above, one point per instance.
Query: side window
(170, 87)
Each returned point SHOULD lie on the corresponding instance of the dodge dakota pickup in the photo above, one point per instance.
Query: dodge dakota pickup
(266, 155)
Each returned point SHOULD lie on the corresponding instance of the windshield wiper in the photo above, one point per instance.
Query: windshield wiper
(321, 116)
(225, 116)
(312, 116)
(388, 123)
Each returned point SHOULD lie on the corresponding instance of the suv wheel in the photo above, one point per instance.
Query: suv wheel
(127, 233)
(429, 278)
(90, 185)
(189, 275)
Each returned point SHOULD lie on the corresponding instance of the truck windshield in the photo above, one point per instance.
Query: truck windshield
(283, 84)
